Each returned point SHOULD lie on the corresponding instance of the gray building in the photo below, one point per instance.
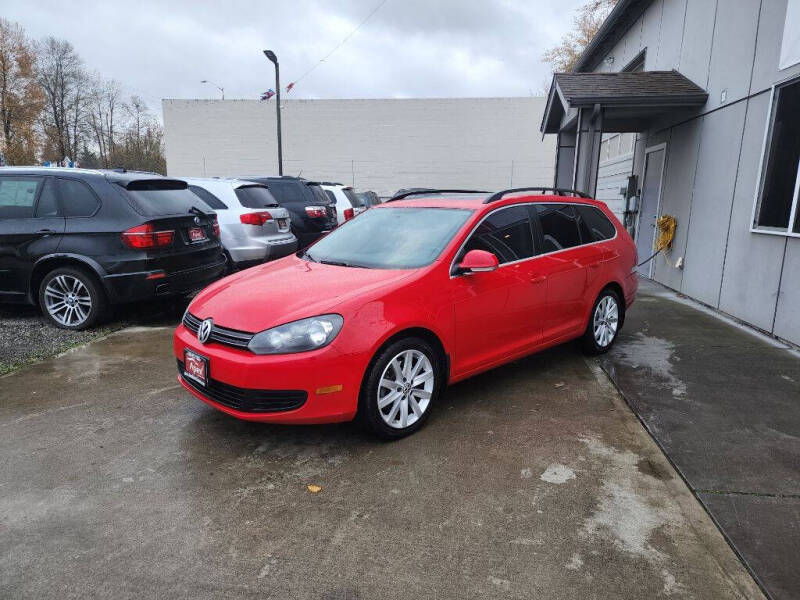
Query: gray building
(691, 108)
(378, 144)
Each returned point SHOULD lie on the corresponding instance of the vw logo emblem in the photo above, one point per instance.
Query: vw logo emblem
(204, 331)
(197, 220)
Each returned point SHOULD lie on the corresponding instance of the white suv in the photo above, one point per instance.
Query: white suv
(253, 228)
(348, 204)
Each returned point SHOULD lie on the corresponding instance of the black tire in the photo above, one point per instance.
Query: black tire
(94, 313)
(590, 343)
(229, 266)
(370, 414)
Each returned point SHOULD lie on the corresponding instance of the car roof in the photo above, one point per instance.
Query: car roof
(475, 201)
(233, 182)
(122, 176)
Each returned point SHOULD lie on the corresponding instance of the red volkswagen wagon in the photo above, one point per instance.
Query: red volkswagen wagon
(376, 318)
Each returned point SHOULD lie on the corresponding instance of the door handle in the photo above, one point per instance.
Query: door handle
(538, 278)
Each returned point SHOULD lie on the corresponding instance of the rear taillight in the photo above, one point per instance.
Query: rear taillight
(316, 212)
(349, 213)
(215, 226)
(255, 218)
(146, 236)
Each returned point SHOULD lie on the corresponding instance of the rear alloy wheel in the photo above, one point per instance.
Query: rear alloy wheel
(401, 387)
(604, 323)
(71, 299)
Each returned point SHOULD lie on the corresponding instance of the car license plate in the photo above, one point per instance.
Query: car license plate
(282, 223)
(195, 367)
(196, 234)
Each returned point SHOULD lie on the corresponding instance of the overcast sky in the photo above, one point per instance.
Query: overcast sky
(408, 48)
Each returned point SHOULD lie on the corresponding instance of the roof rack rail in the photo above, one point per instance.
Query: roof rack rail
(557, 191)
(425, 191)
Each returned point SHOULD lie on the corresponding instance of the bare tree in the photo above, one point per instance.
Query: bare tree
(65, 84)
(105, 102)
(585, 24)
(21, 99)
(141, 144)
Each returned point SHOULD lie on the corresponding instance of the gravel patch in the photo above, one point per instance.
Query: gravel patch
(26, 337)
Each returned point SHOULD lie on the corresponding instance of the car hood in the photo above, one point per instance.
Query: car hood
(284, 291)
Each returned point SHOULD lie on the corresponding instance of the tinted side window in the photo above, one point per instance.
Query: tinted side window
(255, 196)
(505, 233)
(18, 196)
(330, 196)
(559, 227)
(598, 225)
(77, 200)
(208, 198)
(48, 203)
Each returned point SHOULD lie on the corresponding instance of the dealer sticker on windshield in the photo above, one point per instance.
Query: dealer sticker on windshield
(195, 367)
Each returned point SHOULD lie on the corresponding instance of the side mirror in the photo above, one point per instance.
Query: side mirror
(478, 261)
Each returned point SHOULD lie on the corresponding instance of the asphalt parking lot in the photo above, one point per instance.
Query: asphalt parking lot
(533, 480)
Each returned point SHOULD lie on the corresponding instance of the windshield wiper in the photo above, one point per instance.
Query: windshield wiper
(197, 211)
(304, 254)
(336, 263)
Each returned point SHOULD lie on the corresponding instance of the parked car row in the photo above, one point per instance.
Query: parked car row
(76, 241)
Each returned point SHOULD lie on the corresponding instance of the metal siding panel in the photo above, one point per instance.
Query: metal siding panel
(669, 45)
(768, 47)
(676, 198)
(696, 51)
(753, 260)
(711, 203)
(732, 53)
(787, 317)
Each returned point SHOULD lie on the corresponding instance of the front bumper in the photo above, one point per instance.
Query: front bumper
(315, 375)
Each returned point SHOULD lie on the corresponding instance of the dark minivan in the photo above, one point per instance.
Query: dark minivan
(75, 241)
(311, 211)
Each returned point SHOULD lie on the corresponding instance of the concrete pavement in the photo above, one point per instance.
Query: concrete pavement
(532, 481)
(724, 403)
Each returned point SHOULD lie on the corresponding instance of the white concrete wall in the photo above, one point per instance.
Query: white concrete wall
(377, 144)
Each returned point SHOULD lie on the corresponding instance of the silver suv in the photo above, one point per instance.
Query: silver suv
(253, 228)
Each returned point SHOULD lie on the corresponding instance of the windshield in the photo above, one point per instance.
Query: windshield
(390, 238)
(255, 196)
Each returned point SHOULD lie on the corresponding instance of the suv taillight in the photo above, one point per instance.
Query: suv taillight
(255, 218)
(349, 213)
(145, 236)
(215, 226)
(316, 212)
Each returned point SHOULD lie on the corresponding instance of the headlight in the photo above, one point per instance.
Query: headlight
(297, 336)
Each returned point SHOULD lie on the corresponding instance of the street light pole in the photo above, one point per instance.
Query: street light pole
(220, 88)
(274, 60)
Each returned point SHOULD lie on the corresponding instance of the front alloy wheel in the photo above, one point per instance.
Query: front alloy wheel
(400, 388)
(405, 389)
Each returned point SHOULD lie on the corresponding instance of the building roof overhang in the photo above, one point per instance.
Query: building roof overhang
(630, 101)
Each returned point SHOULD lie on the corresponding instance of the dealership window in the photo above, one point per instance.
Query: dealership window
(776, 203)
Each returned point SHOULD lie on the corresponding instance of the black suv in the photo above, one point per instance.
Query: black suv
(74, 241)
(311, 211)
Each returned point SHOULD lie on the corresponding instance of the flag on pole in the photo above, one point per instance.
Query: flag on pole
(289, 87)
(268, 94)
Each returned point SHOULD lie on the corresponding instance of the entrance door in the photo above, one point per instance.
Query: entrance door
(649, 205)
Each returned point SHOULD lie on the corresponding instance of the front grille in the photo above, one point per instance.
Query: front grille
(221, 335)
(246, 399)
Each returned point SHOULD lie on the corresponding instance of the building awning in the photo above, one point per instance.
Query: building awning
(630, 101)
